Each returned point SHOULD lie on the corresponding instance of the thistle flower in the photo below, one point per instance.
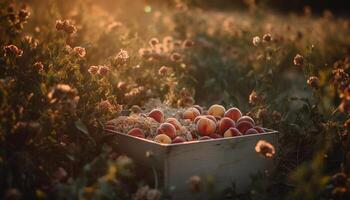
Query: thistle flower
(313, 82)
(264, 148)
(267, 37)
(93, 69)
(80, 51)
(256, 40)
(298, 60)
(103, 70)
(194, 184)
(13, 50)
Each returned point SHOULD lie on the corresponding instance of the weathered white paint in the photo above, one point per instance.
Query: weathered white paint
(226, 160)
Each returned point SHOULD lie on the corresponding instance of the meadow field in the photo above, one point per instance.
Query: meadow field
(67, 68)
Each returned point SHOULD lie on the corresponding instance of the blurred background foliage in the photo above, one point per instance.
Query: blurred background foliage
(62, 80)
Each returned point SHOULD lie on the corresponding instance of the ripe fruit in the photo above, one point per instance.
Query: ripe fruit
(251, 131)
(233, 113)
(243, 126)
(259, 129)
(191, 113)
(205, 126)
(156, 115)
(205, 138)
(224, 124)
(199, 108)
(211, 117)
(178, 139)
(136, 132)
(162, 138)
(246, 118)
(231, 132)
(205, 116)
(167, 129)
(216, 110)
(215, 136)
(174, 122)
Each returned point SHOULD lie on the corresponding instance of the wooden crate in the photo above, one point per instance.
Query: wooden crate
(226, 160)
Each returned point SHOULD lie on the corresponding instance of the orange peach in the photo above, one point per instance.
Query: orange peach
(243, 126)
(162, 138)
(174, 122)
(216, 110)
(251, 131)
(211, 117)
(178, 139)
(191, 113)
(259, 129)
(224, 124)
(157, 115)
(215, 136)
(136, 132)
(167, 129)
(233, 113)
(205, 138)
(199, 108)
(246, 118)
(231, 132)
(205, 126)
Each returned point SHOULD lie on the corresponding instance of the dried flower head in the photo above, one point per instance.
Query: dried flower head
(256, 41)
(121, 85)
(23, 13)
(105, 106)
(340, 78)
(103, 70)
(298, 60)
(13, 50)
(262, 113)
(145, 53)
(64, 95)
(345, 105)
(313, 82)
(121, 58)
(167, 40)
(194, 184)
(66, 26)
(264, 148)
(267, 37)
(80, 51)
(276, 116)
(93, 70)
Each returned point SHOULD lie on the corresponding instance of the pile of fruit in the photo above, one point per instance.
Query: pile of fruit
(186, 125)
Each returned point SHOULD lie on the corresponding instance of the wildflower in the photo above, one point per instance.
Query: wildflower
(145, 53)
(13, 50)
(253, 98)
(121, 58)
(345, 105)
(93, 69)
(267, 37)
(163, 70)
(175, 57)
(121, 85)
(298, 60)
(153, 42)
(105, 106)
(103, 70)
(39, 66)
(256, 40)
(313, 82)
(23, 14)
(80, 51)
(276, 116)
(66, 26)
(264, 148)
(187, 43)
(194, 184)
(167, 40)
(61, 92)
(340, 78)
(262, 113)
